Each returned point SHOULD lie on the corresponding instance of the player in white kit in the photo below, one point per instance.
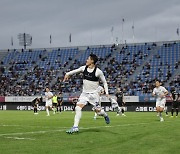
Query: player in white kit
(98, 108)
(48, 98)
(91, 76)
(160, 93)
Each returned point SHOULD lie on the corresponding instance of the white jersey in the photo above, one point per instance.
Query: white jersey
(158, 92)
(91, 86)
(48, 94)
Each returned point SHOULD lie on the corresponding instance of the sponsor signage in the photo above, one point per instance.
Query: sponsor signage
(2, 99)
(20, 98)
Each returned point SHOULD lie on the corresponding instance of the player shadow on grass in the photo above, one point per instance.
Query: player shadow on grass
(97, 131)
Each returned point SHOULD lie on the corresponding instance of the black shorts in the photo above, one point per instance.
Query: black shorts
(120, 103)
(54, 104)
(175, 104)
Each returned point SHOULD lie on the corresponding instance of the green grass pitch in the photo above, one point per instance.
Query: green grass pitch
(22, 132)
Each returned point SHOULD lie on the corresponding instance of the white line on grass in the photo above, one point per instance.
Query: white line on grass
(18, 138)
(28, 126)
(85, 128)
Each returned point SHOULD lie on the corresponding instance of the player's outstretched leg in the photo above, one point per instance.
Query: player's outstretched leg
(77, 118)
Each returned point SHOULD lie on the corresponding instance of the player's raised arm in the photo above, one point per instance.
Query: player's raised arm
(153, 93)
(68, 74)
(66, 77)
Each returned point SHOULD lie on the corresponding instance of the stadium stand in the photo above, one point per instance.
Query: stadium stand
(134, 67)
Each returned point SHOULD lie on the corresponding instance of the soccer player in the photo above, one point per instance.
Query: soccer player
(55, 102)
(175, 104)
(91, 76)
(48, 98)
(120, 100)
(160, 92)
(60, 101)
(36, 102)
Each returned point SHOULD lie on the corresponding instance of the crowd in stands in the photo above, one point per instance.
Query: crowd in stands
(24, 75)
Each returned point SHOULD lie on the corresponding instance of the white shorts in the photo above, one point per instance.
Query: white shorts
(91, 98)
(49, 104)
(161, 103)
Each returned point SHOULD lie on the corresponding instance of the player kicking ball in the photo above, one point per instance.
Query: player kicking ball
(160, 93)
(91, 77)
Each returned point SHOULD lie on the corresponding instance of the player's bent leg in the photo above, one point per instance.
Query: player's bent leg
(104, 114)
(107, 119)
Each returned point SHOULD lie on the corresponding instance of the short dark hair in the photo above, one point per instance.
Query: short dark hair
(94, 58)
(158, 80)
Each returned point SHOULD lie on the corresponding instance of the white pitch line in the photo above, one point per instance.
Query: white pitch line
(29, 126)
(18, 138)
(9, 125)
(85, 128)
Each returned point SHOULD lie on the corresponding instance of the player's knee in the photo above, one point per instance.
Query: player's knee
(78, 108)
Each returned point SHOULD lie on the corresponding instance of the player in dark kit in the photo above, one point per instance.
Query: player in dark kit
(120, 100)
(60, 101)
(175, 104)
(36, 103)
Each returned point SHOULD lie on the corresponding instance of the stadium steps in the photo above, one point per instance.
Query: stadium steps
(140, 68)
(81, 50)
(113, 55)
(9, 64)
(177, 72)
(32, 67)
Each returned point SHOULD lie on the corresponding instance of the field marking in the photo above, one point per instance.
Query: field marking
(18, 138)
(28, 126)
(85, 128)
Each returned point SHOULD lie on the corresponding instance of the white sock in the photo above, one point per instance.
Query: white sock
(95, 114)
(47, 110)
(77, 116)
(102, 113)
(160, 115)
